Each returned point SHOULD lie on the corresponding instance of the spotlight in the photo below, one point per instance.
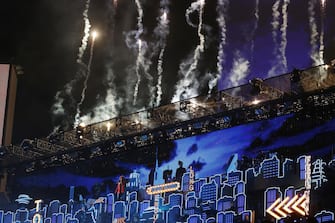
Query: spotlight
(80, 130)
(120, 143)
(255, 102)
(108, 125)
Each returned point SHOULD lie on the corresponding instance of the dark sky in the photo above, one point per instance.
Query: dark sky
(44, 36)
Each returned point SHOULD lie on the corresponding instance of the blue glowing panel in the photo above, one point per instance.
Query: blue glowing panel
(238, 172)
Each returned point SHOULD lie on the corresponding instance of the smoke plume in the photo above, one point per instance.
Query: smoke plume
(188, 85)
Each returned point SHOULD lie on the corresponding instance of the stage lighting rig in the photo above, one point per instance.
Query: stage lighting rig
(295, 75)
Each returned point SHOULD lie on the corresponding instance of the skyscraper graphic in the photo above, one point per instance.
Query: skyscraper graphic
(53, 208)
(8, 217)
(158, 175)
(132, 196)
(191, 202)
(225, 203)
(325, 216)
(144, 205)
(225, 217)
(194, 219)
(234, 177)
(110, 202)
(57, 218)
(197, 186)
(119, 209)
(217, 178)
(174, 214)
(240, 203)
(21, 215)
(133, 213)
(185, 182)
(239, 188)
(211, 220)
(176, 200)
(271, 194)
(209, 192)
(134, 181)
(63, 209)
(270, 168)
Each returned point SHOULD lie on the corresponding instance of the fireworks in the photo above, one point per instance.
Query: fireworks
(140, 54)
(150, 46)
(279, 26)
(162, 30)
(94, 35)
(188, 85)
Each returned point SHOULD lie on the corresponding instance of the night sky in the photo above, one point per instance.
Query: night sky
(45, 37)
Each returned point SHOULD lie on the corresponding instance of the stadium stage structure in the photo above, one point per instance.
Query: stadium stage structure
(260, 152)
(309, 92)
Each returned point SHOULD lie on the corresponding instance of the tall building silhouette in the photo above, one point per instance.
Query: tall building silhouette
(158, 175)
(119, 209)
(134, 181)
(174, 214)
(176, 200)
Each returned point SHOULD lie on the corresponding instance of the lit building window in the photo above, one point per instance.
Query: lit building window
(271, 197)
(302, 168)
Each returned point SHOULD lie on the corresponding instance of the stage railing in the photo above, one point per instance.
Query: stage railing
(221, 109)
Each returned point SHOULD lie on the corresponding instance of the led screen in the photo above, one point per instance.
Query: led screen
(240, 174)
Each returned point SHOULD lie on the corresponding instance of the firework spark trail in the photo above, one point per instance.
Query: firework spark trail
(87, 27)
(141, 62)
(108, 108)
(241, 65)
(162, 31)
(159, 80)
(58, 108)
(275, 23)
(280, 62)
(221, 9)
(112, 104)
(201, 36)
(275, 27)
(239, 70)
(189, 11)
(140, 53)
(137, 72)
(283, 30)
(83, 92)
(188, 86)
(314, 54)
(253, 32)
(322, 46)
